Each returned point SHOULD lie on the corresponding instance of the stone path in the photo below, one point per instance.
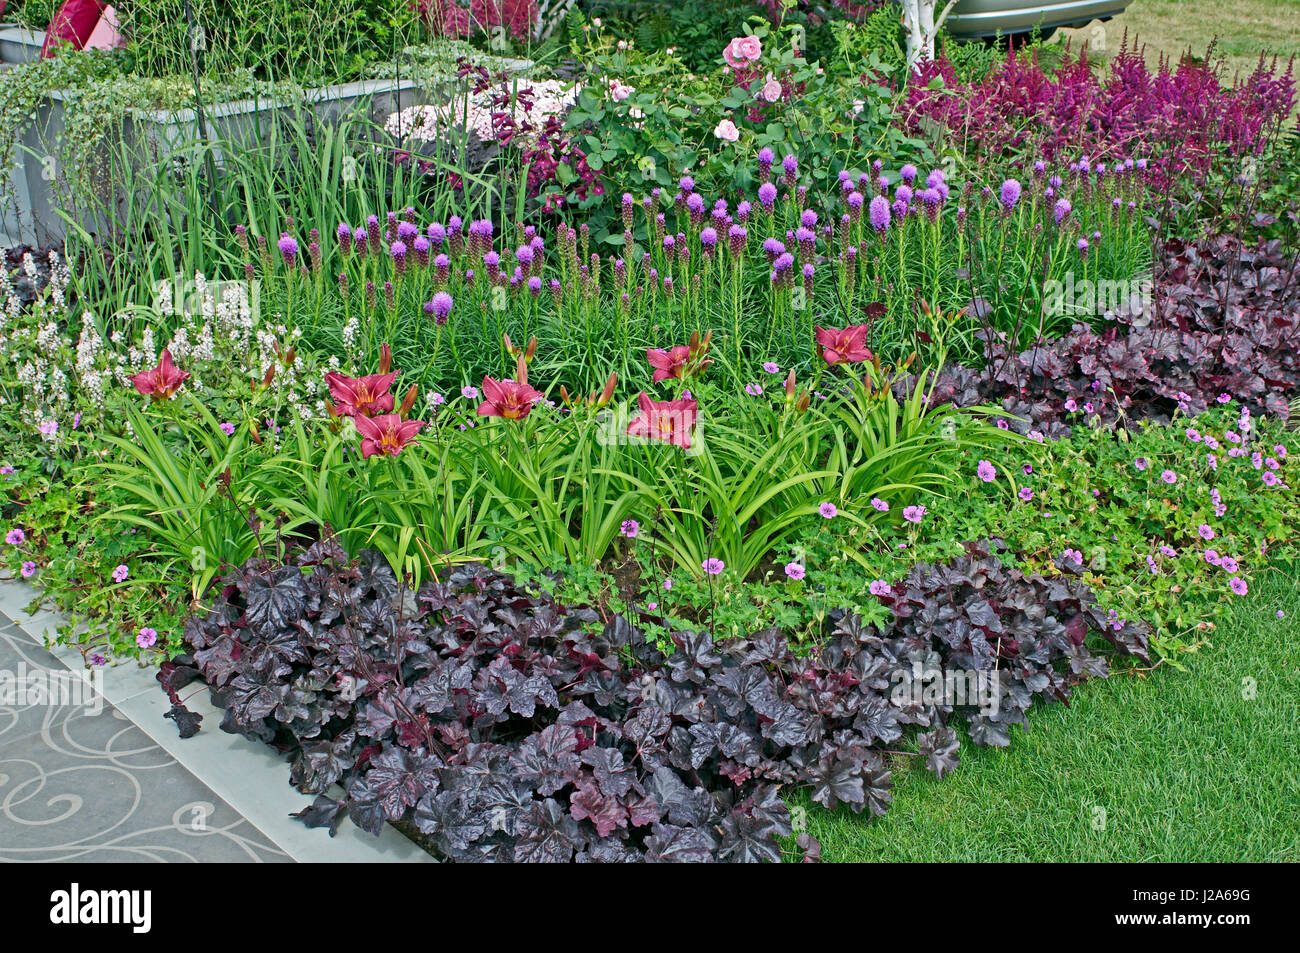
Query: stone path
(94, 773)
(79, 781)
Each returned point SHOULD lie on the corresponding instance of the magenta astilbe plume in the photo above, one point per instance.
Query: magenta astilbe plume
(1181, 116)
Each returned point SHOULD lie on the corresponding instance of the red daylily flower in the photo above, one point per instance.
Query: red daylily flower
(361, 396)
(685, 360)
(163, 381)
(670, 363)
(672, 421)
(386, 434)
(509, 399)
(844, 346)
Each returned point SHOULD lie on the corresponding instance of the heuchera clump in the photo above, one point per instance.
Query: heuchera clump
(1225, 319)
(504, 726)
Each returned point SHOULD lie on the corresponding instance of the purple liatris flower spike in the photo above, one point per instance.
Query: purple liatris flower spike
(440, 307)
(1010, 194)
(879, 214)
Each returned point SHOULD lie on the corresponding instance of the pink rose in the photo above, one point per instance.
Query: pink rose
(771, 91)
(742, 50)
(727, 131)
(620, 91)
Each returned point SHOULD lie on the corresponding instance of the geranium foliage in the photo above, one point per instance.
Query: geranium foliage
(504, 726)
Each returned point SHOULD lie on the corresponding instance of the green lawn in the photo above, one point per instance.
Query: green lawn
(1184, 766)
(1244, 29)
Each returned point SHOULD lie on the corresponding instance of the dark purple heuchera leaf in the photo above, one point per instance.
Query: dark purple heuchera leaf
(670, 843)
(187, 722)
(506, 727)
(548, 760)
(605, 811)
(396, 780)
(275, 599)
(547, 835)
(941, 750)
(323, 812)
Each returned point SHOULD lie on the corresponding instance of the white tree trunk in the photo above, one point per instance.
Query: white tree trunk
(922, 26)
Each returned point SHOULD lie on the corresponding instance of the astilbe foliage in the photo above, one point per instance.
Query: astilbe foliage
(506, 727)
(1224, 319)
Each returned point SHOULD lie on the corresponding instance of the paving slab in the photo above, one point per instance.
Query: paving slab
(68, 791)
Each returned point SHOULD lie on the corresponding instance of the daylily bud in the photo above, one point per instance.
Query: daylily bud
(531, 349)
(385, 358)
(803, 402)
(607, 394)
(521, 369)
(268, 376)
(407, 402)
(564, 395)
(510, 348)
(290, 356)
(789, 385)
(252, 432)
